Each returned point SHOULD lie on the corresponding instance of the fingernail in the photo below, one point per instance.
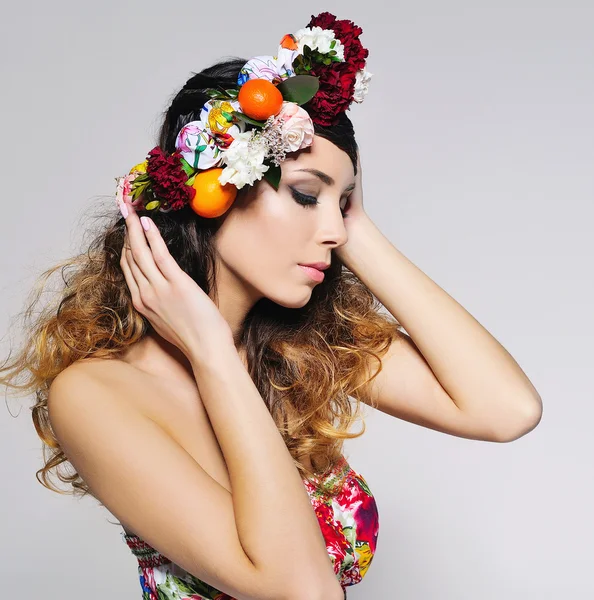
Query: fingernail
(146, 224)
(123, 210)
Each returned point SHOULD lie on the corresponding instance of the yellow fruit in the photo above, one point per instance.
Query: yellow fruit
(259, 99)
(212, 199)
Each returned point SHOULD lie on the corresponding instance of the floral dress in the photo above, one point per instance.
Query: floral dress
(349, 522)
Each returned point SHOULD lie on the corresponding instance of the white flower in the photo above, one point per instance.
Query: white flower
(245, 158)
(319, 39)
(362, 79)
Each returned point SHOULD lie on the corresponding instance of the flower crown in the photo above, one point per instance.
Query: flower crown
(322, 65)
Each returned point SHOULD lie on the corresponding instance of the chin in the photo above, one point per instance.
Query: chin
(296, 300)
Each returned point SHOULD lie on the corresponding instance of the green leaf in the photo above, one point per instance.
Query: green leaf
(152, 205)
(186, 166)
(244, 117)
(300, 88)
(216, 93)
(140, 179)
(191, 180)
(273, 175)
(136, 190)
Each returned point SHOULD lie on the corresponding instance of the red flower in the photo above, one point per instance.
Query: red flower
(335, 94)
(348, 33)
(337, 80)
(169, 179)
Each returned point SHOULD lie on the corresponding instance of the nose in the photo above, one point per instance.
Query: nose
(332, 229)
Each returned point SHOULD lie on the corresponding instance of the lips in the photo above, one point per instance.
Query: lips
(320, 266)
(315, 274)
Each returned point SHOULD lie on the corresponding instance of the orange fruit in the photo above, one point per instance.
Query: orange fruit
(212, 199)
(259, 99)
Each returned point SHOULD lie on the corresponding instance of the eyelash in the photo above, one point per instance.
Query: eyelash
(309, 201)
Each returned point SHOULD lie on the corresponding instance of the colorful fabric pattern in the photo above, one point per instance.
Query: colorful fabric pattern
(279, 67)
(349, 523)
(197, 141)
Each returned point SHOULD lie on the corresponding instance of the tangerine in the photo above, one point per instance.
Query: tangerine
(259, 99)
(212, 198)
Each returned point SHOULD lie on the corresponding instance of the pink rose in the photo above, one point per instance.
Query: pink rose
(297, 129)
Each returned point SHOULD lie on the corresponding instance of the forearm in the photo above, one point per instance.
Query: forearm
(472, 366)
(276, 524)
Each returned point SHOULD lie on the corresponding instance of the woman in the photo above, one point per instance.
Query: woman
(197, 375)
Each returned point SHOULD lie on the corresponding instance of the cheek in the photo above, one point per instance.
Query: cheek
(259, 244)
(263, 242)
(272, 228)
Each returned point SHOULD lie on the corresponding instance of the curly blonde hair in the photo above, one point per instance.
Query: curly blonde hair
(306, 363)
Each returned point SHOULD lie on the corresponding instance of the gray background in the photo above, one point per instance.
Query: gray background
(477, 149)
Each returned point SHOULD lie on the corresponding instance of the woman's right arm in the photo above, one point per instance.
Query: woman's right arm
(276, 524)
(261, 542)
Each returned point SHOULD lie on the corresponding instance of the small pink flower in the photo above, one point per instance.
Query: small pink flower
(297, 128)
(124, 187)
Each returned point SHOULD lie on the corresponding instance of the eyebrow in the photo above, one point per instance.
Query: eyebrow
(326, 178)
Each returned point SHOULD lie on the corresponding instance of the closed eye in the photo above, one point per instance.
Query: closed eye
(308, 201)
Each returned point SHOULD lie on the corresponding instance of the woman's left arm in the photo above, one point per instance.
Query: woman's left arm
(479, 381)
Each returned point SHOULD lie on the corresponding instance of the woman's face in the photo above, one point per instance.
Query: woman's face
(267, 233)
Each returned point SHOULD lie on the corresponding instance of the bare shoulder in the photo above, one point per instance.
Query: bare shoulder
(109, 371)
(154, 481)
(173, 404)
(159, 399)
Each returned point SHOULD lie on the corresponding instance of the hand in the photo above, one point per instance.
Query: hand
(176, 306)
(355, 219)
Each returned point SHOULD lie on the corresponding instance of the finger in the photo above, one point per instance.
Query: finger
(166, 264)
(141, 251)
(142, 283)
(129, 277)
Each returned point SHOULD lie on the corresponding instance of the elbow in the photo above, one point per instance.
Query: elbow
(527, 422)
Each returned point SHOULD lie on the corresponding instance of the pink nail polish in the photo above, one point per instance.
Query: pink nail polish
(146, 224)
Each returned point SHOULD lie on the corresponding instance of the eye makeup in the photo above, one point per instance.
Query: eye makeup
(309, 201)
